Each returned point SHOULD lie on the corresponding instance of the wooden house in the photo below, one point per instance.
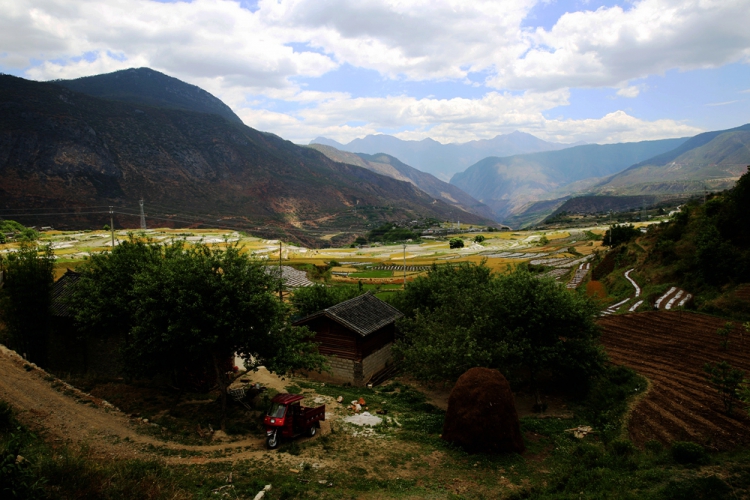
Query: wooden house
(356, 336)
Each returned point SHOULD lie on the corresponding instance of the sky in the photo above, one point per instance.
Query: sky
(597, 71)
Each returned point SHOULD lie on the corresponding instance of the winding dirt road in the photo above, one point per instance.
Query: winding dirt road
(62, 413)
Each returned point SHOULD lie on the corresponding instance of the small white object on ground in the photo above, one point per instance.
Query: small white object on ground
(364, 418)
(262, 492)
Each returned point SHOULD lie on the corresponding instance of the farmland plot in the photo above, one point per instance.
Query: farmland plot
(671, 348)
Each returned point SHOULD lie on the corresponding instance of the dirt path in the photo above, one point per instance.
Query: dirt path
(62, 413)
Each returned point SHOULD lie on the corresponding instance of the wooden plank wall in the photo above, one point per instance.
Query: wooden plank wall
(376, 340)
(334, 338)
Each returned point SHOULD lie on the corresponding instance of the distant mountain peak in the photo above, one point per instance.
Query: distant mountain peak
(148, 87)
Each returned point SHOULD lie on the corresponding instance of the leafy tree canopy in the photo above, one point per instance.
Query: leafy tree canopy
(25, 299)
(388, 233)
(619, 233)
(459, 317)
(456, 243)
(187, 306)
(11, 226)
(309, 300)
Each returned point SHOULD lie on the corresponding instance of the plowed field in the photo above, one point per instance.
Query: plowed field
(671, 348)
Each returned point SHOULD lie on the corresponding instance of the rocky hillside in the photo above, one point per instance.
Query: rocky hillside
(144, 86)
(59, 148)
(388, 165)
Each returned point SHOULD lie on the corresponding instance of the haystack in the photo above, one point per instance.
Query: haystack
(482, 414)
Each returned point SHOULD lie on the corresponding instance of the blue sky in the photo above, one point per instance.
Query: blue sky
(566, 71)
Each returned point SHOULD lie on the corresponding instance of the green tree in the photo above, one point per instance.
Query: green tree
(26, 297)
(103, 296)
(726, 380)
(311, 299)
(456, 243)
(194, 306)
(619, 233)
(723, 334)
(24, 233)
(479, 238)
(460, 317)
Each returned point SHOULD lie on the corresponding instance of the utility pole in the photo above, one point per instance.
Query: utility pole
(143, 217)
(112, 225)
(404, 266)
(281, 278)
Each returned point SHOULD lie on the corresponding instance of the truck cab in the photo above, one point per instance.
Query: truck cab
(287, 418)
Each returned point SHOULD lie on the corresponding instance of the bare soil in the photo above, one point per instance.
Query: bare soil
(671, 349)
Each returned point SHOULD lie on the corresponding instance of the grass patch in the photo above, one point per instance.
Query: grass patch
(372, 274)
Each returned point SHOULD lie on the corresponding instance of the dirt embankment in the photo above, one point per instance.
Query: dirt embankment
(62, 413)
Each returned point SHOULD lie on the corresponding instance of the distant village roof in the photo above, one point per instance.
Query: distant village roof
(61, 290)
(364, 314)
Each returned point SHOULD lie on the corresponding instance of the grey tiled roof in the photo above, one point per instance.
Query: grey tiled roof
(61, 290)
(364, 314)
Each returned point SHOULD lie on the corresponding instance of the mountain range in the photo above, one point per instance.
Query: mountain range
(62, 148)
(392, 167)
(507, 184)
(444, 160)
(711, 161)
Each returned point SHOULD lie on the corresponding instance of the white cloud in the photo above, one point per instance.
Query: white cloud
(460, 120)
(609, 46)
(247, 58)
(630, 91)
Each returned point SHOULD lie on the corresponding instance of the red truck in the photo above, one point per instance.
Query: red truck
(287, 418)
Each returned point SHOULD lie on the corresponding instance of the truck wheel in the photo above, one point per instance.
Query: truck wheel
(311, 431)
(272, 441)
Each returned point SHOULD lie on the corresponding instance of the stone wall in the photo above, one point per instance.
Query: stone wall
(375, 362)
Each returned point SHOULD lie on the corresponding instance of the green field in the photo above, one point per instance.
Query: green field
(372, 274)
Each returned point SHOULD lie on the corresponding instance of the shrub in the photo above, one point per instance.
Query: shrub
(622, 447)
(456, 243)
(699, 488)
(619, 233)
(726, 380)
(654, 446)
(685, 452)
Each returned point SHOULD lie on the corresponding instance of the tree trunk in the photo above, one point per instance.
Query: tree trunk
(223, 388)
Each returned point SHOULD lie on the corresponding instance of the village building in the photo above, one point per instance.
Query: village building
(356, 336)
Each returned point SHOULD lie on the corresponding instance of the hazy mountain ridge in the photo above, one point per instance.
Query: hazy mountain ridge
(714, 159)
(508, 184)
(388, 165)
(62, 148)
(145, 86)
(444, 160)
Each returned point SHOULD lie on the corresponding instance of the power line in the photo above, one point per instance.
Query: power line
(59, 213)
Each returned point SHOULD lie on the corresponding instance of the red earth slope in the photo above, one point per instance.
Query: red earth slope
(670, 348)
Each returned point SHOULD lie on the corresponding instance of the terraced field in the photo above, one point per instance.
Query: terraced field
(670, 348)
